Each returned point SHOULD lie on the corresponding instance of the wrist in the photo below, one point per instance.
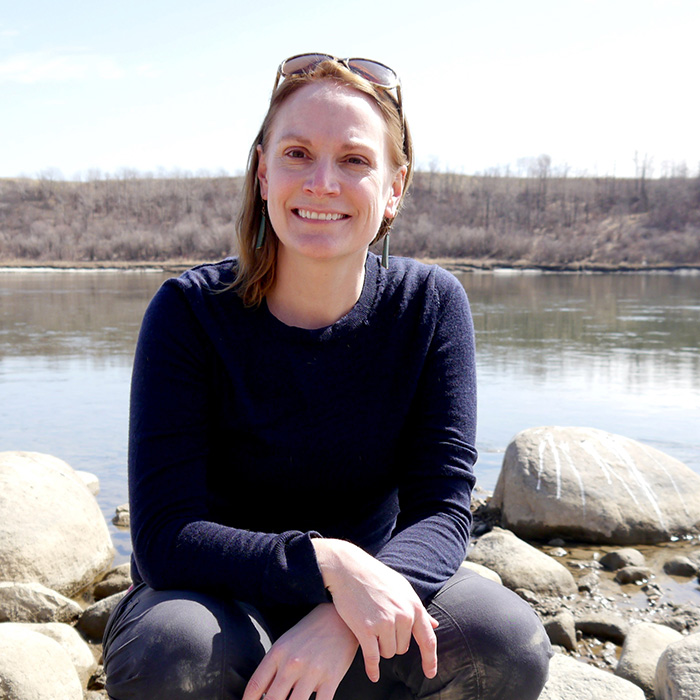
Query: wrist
(329, 556)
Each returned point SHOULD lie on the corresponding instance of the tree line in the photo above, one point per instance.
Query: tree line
(543, 218)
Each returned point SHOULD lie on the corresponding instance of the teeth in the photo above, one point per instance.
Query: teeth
(304, 214)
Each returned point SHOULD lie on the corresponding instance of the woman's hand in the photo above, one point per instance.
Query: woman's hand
(311, 657)
(378, 604)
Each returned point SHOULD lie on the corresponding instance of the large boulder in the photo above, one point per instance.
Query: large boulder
(70, 640)
(52, 530)
(644, 644)
(35, 667)
(520, 565)
(589, 485)
(678, 670)
(570, 679)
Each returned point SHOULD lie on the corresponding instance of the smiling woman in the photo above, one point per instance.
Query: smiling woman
(390, 148)
(302, 441)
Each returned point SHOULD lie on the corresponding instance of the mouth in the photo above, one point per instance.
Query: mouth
(319, 215)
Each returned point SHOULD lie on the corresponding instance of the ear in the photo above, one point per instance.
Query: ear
(392, 204)
(262, 172)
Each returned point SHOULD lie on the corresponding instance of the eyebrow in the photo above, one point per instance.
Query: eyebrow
(298, 138)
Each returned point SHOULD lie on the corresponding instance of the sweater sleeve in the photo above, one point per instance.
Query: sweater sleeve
(175, 542)
(435, 465)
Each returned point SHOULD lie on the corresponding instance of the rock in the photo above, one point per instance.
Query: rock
(90, 480)
(72, 643)
(35, 667)
(93, 621)
(589, 582)
(652, 591)
(32, 602)
(98, 680)
(680, 566)
(528, 596)
(678, 670)
(588, 485)
(685, 618)
(570, 679)
(561, 630)
(620, 558)
(115, 581)
(52, 530)
(122, 516)
(644, 644)
(603, 625)
(633, 574)
(480, 497)
(522, 566)
(482, 571)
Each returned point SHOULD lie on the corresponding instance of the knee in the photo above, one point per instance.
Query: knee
(494, 638)
(176, 648)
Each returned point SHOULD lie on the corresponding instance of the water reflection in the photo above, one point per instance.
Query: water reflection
(587, 313)
(87, 314)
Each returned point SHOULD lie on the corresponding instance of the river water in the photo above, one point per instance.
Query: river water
(620, 352)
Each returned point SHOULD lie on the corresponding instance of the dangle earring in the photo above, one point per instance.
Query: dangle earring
(385, 251)
(261, 231)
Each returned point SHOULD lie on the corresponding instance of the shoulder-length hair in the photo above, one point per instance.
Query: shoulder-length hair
(255, 274)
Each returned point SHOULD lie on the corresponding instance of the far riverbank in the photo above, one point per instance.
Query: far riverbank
(542, 221)
(452, 264)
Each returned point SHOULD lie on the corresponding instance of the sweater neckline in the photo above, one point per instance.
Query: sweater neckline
(353, 319)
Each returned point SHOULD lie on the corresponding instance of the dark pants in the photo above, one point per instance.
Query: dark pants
(172, 645)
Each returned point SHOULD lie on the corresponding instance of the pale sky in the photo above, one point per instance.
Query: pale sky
(156, 86)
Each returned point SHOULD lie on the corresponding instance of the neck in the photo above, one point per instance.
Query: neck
(315, 294)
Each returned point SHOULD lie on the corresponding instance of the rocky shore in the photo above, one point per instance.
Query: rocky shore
(597, 532)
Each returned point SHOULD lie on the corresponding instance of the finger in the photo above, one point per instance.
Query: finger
(327, 689)
(370, 653)
(404, 632)
(403, 642)
(326, 692)
(280, 689)
(302, 691)
(427, 643)
(259, 682)
(387, 644)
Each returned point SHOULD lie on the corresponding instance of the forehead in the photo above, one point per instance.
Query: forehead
(327, 108)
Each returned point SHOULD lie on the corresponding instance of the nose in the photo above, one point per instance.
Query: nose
(322, 180)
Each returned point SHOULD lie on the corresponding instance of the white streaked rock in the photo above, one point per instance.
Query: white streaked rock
(589, 485)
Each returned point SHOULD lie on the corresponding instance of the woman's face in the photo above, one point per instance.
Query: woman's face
(326, 173)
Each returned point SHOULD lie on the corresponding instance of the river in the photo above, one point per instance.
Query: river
(620, 352)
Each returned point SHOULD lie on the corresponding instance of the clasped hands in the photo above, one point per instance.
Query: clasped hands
(374, 607)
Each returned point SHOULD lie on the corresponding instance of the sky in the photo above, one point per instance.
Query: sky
(600, 86)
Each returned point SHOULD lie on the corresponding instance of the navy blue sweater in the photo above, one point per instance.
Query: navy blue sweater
(249, 437)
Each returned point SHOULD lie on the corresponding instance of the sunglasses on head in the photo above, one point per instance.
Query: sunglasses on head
(374, 72)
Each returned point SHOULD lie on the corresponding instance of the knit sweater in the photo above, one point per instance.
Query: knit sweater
(249, 437)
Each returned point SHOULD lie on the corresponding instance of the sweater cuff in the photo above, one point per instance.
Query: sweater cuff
(293, 576)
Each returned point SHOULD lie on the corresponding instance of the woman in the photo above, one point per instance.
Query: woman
(302, 442)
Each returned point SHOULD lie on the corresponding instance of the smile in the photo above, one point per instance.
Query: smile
(321, 216)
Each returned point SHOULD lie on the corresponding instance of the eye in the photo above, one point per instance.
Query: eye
(295, 153)
(357, 160)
